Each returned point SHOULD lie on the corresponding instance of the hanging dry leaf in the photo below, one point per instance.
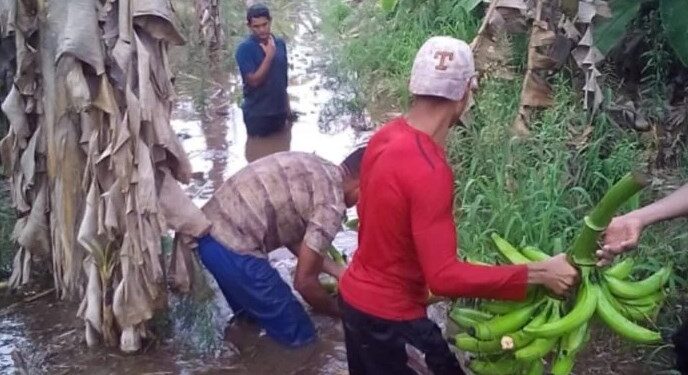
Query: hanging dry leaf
(593, 57)
(569, 29)
(541, 62)
(519, 127)
(602, 9)
(514, 4)
(536, 92)
(586, 11)
(587, 38)
(541, 36)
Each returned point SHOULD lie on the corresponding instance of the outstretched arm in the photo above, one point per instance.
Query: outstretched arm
(623, 232)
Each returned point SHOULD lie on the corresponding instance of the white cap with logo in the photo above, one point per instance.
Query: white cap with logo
(443, 67)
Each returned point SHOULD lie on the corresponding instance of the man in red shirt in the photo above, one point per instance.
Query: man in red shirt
(407, 235)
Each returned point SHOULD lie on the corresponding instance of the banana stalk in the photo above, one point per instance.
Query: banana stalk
(583, 250)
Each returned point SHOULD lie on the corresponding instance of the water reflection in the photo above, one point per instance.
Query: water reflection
(216, 139)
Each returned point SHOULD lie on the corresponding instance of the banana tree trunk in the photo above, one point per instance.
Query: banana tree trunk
(210, 26)
(88, 148)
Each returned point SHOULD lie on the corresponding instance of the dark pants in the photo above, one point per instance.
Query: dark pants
(253, 287)
(263, 126)
(377, 346)
(680, 339)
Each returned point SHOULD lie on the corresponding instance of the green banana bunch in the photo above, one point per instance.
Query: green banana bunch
(523, 333)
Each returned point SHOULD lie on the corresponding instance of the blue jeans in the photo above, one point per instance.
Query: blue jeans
(252, 286)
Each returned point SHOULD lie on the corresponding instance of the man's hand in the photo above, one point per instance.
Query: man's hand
(269, 48)
(622, 234)
(308, 266)
(555, 273)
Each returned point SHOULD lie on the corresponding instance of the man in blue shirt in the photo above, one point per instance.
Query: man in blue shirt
(262, 60)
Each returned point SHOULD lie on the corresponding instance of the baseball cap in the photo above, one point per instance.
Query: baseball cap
(443, 67)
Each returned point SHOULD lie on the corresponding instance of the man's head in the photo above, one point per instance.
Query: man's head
(444, 74)
(352, 173)
(258, 20)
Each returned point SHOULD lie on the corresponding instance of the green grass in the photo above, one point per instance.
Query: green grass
(532, 191)
(375, 47)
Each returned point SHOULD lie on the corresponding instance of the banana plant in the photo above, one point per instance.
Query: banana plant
(673, 13)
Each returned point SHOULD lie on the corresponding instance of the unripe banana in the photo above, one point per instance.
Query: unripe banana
(563, 364)
(462, 320)
(652, 299)
(502, 307)
(536, 368)
(520, 339)
(352, 224)
(581, 312)
(468, 343)
(474, 314)
(619, 324)
(638, 289)
(635, 313)
(621, 270)
(573, 341)
(539, 347)
(569, 347)
(336, 256)
(505, 366)
(510, 322)
(534, 254)
(508, 250)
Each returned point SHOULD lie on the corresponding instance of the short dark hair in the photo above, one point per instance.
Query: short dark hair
(257, 10)
(352, 163)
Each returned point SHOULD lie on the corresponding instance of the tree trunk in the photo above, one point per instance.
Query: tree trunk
(210, 27)
(88, 148)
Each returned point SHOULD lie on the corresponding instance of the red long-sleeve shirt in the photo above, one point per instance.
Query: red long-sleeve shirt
(407, 237)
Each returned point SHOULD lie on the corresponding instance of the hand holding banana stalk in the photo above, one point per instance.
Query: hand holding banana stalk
(514, 337)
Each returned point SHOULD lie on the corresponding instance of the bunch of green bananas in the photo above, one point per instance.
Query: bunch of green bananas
(514, 337)
(510, 337)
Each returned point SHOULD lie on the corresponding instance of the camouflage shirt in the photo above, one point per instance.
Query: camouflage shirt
(277, 201)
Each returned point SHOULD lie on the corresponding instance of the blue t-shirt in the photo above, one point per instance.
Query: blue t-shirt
(270, 98)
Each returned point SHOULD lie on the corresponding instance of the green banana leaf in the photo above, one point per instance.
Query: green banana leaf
(388, 5)
(674, 14)
(607, 32)
(469, 5)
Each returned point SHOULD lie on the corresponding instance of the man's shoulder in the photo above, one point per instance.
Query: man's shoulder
(291, 160)
(280, 41)
(247, 44)
(401, 149)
